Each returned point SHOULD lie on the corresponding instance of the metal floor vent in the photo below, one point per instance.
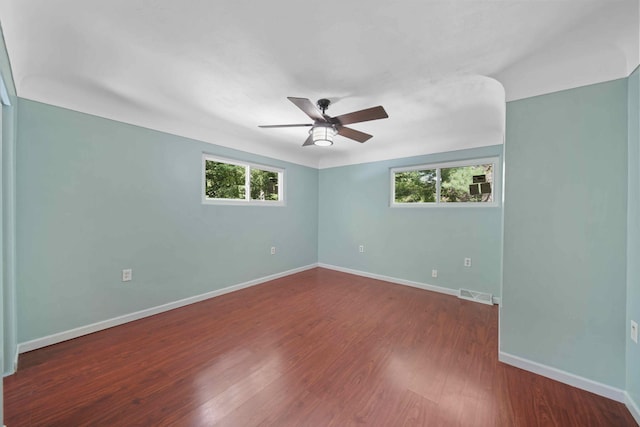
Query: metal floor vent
(480, 297)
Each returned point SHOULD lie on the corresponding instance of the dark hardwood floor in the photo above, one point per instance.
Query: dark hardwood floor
(314, 349)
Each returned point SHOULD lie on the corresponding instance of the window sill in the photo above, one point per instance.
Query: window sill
(444, 205)
(225, 202)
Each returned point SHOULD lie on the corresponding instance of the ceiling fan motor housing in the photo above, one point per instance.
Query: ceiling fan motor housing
(323, 104)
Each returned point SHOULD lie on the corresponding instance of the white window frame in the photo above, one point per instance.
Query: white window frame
(496, 183)
(247, 201)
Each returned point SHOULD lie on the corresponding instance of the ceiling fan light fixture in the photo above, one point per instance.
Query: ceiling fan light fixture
(323, 135)
(325, 127)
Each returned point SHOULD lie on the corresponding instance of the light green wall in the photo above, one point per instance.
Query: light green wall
(95, 196)
(407, 243)
(633, 236)
(564, 284)
(8, 341)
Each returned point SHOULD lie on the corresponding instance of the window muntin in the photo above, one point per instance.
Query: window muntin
(228, 181)
(462, 183)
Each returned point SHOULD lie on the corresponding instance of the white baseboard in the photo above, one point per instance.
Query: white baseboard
(14, 367)
(15, 360)
(632, 406)
(411, 283)
(105, 324)
(419, 285)
(564, 377)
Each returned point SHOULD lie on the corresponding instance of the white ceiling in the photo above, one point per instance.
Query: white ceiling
(215, 70)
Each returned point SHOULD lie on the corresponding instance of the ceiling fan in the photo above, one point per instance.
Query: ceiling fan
(325, 127)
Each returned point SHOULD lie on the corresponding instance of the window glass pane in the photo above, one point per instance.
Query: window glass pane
(457, 184)
(417, 186)
(224, 180)
(264, 185)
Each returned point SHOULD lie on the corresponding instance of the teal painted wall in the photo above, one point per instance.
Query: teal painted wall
(7, 232)
(407, 243)
(564, 284)
(95, 196)
(633, 236)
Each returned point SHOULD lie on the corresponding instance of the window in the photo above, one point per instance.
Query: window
(232, 182)
(463, 183)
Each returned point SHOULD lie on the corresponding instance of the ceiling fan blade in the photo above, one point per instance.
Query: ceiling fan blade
(373, 113)
(308, 107)
(309, 141)
(285, 126)
(356, 135)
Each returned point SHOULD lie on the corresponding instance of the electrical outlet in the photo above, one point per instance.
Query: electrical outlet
(467, 262)
(127, 275)
(434, 273)
(273, 250)
(634, 332)
(361, 248)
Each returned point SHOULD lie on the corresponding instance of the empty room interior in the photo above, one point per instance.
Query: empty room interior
(345, 213)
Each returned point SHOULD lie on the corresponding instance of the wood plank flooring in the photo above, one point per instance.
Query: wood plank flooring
(319, 348)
